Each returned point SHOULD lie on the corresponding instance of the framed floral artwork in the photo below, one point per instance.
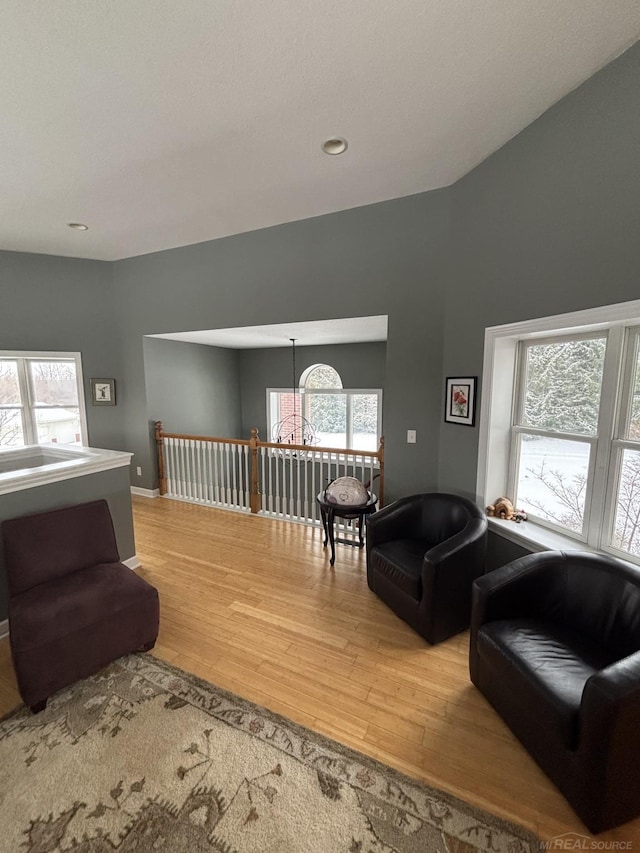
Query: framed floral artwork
(460, 400)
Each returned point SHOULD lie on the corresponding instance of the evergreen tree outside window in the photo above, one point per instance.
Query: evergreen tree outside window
(321, 376)
(556, 423)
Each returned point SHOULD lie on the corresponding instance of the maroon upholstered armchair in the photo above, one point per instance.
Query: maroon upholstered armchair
(73, 606)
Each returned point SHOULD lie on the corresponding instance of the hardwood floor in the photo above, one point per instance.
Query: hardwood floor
(252, 605)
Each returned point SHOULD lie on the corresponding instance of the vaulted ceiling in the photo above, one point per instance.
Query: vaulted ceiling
(161, 124)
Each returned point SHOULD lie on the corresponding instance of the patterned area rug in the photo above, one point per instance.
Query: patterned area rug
(144, 757)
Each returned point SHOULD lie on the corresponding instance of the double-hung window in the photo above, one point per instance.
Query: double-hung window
(554, 436)
(560, 425)
(41, 399)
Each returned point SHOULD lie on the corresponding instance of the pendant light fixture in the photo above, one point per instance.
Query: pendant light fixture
(294, 427)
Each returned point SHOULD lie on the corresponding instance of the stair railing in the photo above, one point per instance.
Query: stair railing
(279, 480)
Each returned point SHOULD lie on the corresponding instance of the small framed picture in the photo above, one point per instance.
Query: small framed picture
(103, 392)
(460, 400)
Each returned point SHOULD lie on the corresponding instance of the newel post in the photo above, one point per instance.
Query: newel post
(162, 477)
(255, 500)
(381, 463)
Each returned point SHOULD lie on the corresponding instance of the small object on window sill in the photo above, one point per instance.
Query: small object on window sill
(503, 508)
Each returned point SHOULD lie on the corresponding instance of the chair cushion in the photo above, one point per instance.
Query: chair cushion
(47, 612)
(401, 561)
(546, 666)
(40, 548)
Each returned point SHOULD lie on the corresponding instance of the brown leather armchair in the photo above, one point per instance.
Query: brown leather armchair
(423, 552)
(73, 606)
(555, 648)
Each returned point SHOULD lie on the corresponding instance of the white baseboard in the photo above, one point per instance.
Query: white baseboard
(145, 493)
(4, 628)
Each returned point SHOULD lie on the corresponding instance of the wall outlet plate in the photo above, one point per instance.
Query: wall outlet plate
(411, 436)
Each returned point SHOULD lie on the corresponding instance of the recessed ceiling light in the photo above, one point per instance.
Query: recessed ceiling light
(78, 226)
(335, 145)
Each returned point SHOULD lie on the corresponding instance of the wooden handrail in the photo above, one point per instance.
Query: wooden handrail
(216, 439)
(336, 450)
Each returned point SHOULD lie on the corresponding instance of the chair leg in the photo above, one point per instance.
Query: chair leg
(39, 706)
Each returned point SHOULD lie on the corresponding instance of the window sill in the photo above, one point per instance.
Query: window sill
(534, 537)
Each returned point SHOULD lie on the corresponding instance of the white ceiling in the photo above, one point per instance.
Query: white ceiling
(313, 333)
(162, 124)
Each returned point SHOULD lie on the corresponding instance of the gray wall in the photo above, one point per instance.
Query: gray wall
(66, 305)
(193, 388)
(501, 551)
(548, 224)
(359, 366)
(383, 259)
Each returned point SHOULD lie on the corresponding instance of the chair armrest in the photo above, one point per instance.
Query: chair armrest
(398, 520)
(448, 570)
(609, 714)
(445, 551)
(618, 682)
(514, 589)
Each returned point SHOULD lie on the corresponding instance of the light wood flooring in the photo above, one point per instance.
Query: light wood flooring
(251, 604)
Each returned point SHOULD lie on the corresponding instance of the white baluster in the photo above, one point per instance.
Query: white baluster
(234, 463)
(198, 468)
(168, 443)
(314, 503)
(247, 476)
(183, 469)
(191, 480)
(207, 468)
(305, 504)
(227, 479)
(277, 494)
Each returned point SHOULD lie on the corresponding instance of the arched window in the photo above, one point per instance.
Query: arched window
(339, 417)
(320, 376)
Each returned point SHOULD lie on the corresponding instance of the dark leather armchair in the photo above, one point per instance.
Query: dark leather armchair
(73, 606)
(423, 552)
(555, 648)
